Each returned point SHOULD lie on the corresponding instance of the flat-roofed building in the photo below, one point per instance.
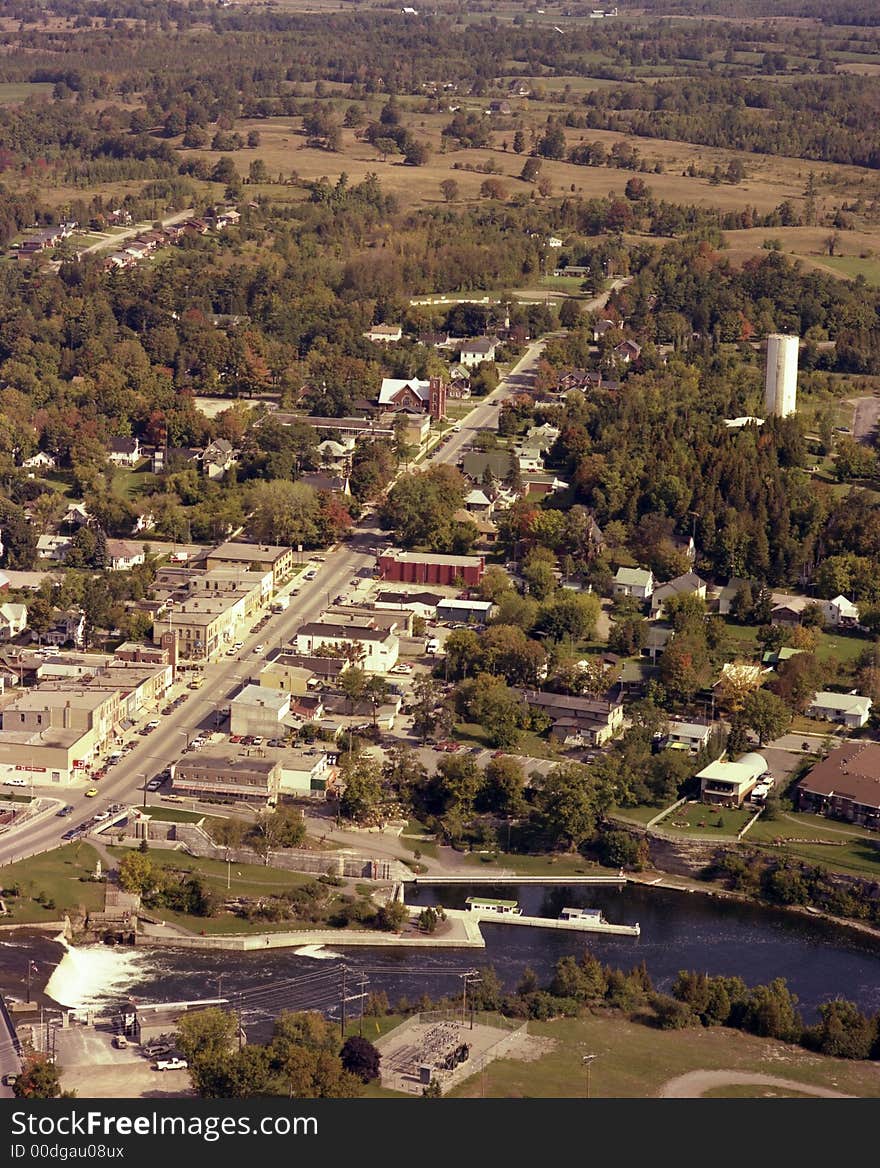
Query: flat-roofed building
(379, 648)
(304, 773)
(430, 568)
(690, 736)
(258, 710)
(232, 780)
(728, 784)
(263, 556)
(298, 675)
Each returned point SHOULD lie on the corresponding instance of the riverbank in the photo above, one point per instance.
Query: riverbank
(672, 883)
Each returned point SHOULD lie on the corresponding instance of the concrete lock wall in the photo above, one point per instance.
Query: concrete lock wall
(199, 843)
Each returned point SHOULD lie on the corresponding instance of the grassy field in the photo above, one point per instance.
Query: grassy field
(698, 819)
(173, 814)
(856, 858)
(15, 92)
(131, 484)
(634, 1061)
(57, 876)
(641, 814)
(564, 864)
(528, 744)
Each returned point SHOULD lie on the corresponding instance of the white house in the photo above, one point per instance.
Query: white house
(840, 612)
(637, 582)
(689, 736)
(690, 584)
(378, 648)
(53, 547)
(40, 461)
(852, 710)
(124, 451)
(76, 515)
(477, 350)
(123, 555)
(384, 334)
(13, 620)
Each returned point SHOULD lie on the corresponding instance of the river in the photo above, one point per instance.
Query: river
(678, 931)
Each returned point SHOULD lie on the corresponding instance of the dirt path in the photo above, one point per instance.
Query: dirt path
(696, 1083)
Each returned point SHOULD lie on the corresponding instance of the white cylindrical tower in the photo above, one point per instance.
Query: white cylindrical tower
(780, 383)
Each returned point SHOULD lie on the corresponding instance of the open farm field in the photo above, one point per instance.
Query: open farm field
(13, 92)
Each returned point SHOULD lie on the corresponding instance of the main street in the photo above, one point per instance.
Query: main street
(223, 678)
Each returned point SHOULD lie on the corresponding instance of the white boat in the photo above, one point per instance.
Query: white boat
(501, 908)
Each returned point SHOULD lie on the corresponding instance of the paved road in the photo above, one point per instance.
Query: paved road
(866, 415)
(124, 782)
(117, 238)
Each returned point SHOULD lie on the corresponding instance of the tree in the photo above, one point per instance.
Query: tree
(137, 872)
(39, 1079)
(766, 714)
(363, 789)
(376, 692)
(565, 805)
(504, 787)
(500, 710)
(519, 142)
(571, 615)
(449, 189)
(360, 1058)
(353, 683)
(206, 1039)
(392, 916)
(684, 666)
(283, 513)
(531, 169)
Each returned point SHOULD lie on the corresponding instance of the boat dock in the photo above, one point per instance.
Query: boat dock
(576, 924)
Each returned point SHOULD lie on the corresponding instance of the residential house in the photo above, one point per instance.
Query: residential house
(40, 461)
(499, 107)
(840, 613)
(499, 463)
(478, 502)
(637, 582)
(689, 584)
(69, 627)
(728, 784)
(845, 785)
(689, 736)
(477, 350)
(376, 650)
(459, 386)
(384, 334)
(627, 351)
(728, 593)
(172, 458)
(123, 555)
(601, 327)
(217, 458)
(852, 710)
(54, 547)
(578, 721)
(790, 612)
(656, 640)
(124, 451)
(76, 515)
(13, 620)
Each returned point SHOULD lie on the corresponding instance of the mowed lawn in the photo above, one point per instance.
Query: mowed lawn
(634, 1061)
(60, 876)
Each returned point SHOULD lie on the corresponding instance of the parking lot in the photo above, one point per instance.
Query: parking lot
(93, 1068)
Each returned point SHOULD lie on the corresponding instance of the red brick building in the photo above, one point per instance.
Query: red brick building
(431, 568)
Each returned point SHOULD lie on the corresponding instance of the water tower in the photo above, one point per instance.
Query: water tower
(780, 382)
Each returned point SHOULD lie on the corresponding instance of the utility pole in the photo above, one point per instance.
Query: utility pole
(363, 998)
(31, 968)
(342, 1012)
(587, 1060)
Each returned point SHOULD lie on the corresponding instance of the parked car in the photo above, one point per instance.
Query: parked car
(71, 833)
(257, 740)
(401, 669)
(154, 784)
(235, 738)
(310, 575)
(259, 648)
(153, 723)
(248, 740)
(169, 709)
(10, 1080)
(120, 1041)
(238, 645)
(172, 1064)
(99, 773)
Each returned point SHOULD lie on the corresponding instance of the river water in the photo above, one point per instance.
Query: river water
(678, 931)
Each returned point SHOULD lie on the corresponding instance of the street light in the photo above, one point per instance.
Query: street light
(31, 968)
(588, 1060)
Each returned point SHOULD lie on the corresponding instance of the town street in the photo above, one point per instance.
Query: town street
(223, 678)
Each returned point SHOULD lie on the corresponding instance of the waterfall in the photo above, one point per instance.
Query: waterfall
(93, 976)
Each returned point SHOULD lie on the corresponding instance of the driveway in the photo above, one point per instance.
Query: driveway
(866, 415)
(695, 1084)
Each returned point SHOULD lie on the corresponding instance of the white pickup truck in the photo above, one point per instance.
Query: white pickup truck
(172, 1064)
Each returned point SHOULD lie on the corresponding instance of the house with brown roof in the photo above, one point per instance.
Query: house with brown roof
(845, 785)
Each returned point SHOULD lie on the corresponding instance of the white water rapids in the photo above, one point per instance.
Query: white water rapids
(87, 976)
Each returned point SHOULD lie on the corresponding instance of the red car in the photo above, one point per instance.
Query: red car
(235, 738)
